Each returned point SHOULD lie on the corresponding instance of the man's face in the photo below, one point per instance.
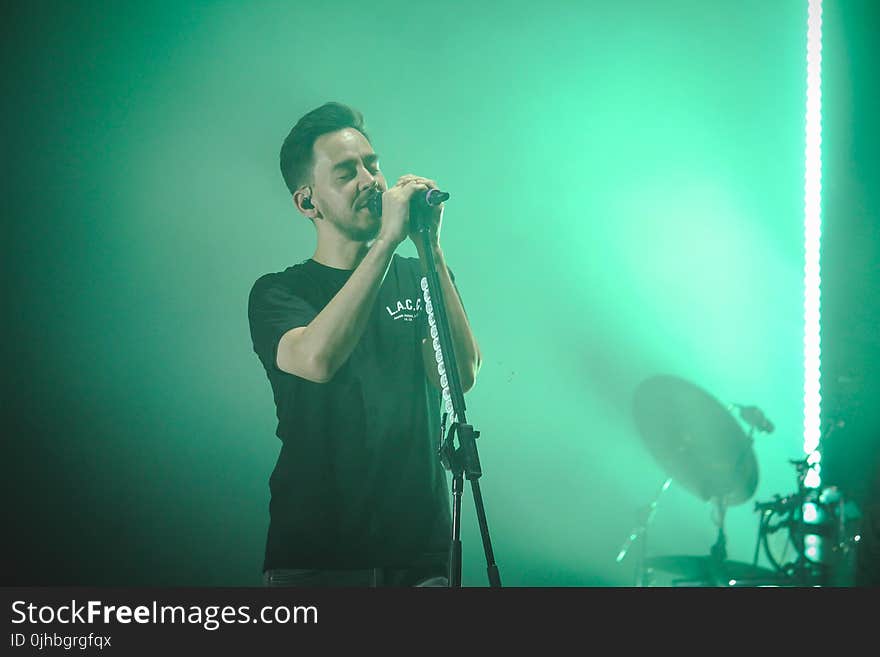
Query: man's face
(345, 170)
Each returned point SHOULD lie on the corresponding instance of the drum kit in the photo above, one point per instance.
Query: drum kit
(807, 537)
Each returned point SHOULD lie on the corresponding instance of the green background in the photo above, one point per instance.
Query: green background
(627, 200)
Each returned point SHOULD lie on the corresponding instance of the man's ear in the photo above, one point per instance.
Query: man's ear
(302, 199)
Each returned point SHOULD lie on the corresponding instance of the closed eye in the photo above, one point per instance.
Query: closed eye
(348, 168)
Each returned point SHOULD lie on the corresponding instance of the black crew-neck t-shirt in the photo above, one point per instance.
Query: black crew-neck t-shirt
(358, 483)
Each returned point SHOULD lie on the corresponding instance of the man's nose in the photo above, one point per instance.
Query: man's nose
(366, 179)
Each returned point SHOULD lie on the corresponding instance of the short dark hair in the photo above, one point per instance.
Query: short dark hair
(296, 151)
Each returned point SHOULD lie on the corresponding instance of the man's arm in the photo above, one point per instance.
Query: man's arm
(464, 345)
(315, 352)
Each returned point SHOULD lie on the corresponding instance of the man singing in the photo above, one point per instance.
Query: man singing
(358, 494)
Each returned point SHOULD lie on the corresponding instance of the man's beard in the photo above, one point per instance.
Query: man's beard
(357, 233)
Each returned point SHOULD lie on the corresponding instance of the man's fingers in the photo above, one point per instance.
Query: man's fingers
(411, 178)
(410, 188)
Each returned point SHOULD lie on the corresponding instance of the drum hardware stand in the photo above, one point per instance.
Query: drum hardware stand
(706, 450)
(801, 571)
(718, 551)
(808, 572)
(640, 533)
(781, 506)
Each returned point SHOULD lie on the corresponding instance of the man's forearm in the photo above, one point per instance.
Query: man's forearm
(467, 351)
(336, 330)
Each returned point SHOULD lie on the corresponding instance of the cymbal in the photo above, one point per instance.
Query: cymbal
(704, 569)
(695, 439)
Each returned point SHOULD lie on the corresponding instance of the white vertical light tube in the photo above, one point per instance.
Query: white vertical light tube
(812, 242)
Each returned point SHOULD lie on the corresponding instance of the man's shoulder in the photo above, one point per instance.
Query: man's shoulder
(289, 280)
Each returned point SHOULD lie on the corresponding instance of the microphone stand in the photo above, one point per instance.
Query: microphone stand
(463, 461)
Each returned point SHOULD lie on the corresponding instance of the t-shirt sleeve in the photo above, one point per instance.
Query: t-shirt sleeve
(272, 311)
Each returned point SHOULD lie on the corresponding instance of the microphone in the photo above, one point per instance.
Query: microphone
(421, 201)
(429, 199)
(753, 416)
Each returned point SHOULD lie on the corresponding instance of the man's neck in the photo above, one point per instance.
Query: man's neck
(341, 254)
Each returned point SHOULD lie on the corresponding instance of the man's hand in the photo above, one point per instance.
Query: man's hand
(395, 208)
(433, 216)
